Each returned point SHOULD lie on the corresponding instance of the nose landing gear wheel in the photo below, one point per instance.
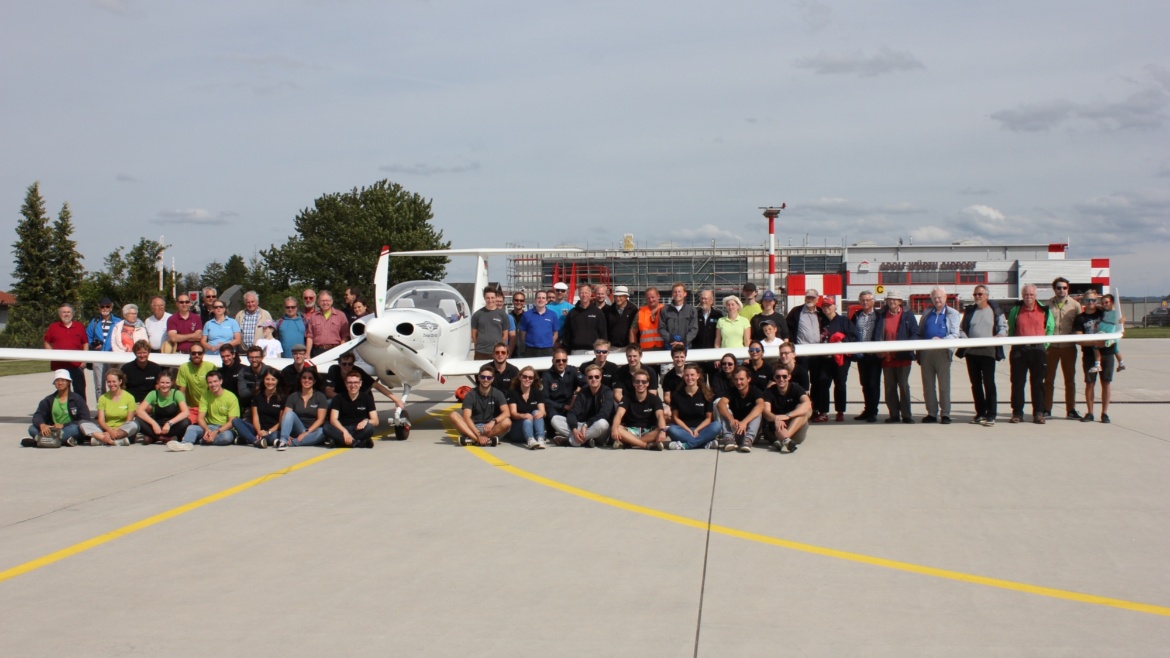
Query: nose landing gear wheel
(402, 431)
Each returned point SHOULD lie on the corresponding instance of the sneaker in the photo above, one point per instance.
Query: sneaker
(28, 443)
(711, 445)
(95, 442)
(262, 442)
(791, 446)
(1038, 419)
(1096, 368)
(178, 446)
(730, 447)
(463, 441)
(329, 444)
(1073, 415)
(282, 444)
(590, 443)
(493, 441)
(1016, 418)
(907, 420)
(71, 442)
(779, 444)
(122, 441)
(820, 418)
(989, 422)
(616, 445)
(657, 445)
(929, 419)
(871, 419)
(1105, 418)
(946, 420)
(1087, 418)
(840, 417)
(541, 444)
(978, 420)
(675, 445)
(745, 448)
(1120, 366)
(1048, 413)
(893, 419)
(531, 444)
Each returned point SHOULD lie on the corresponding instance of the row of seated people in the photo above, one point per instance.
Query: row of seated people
(602, 404)
(201, 404)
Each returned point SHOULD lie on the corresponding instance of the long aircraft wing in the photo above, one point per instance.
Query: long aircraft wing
(657, 357)
(115, 358)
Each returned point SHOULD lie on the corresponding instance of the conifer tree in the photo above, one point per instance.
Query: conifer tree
(67, 271)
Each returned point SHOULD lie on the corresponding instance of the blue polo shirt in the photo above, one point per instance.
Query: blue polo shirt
(220, 332)
(538, 328)
(561, 309)
(290, 332)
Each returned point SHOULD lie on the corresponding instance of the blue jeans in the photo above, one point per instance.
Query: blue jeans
(690, 442)
(293, 428)
(70, 431)
(524, 430)
(248, 433)
(195, 435)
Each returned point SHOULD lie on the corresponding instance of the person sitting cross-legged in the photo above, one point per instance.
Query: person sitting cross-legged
(352, 416)
(639, 421)
(788, 411)
(691, 405)
(484, 416)
(217, 409)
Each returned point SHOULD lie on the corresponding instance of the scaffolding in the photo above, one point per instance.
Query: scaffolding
(723, 270)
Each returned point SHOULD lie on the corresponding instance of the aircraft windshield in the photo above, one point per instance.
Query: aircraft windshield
(438, 298)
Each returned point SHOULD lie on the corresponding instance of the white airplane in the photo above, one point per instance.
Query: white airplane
(422, 329)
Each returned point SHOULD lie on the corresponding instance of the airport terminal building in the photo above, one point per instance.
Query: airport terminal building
(846, 271)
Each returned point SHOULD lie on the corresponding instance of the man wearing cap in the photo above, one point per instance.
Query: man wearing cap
(58, 414)
(290, 328)
(806, 326)
(538, 327)
(768, 312)
(559, 304)
(98, 332)
(291, 374)
(893, 324)
(184, 328)
(619, 317)
(251, 318)
(938, 322)
(156, 324)
(65, 334)
(679, 323)
(750, 306)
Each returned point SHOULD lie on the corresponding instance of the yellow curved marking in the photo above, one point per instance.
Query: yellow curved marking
(158, 518)
(820, 550)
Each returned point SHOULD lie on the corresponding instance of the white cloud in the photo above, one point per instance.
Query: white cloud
(930, 235)
(1128, 217)
(856, 63)
(423, 169)
(198, 216)
(985, 221)
(845, 207)
(1144, 109)
(706, 233)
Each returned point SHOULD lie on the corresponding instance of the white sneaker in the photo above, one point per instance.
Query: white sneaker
(675, 445)
(178, 446)
(541, 444)
(122, 442)
(1096, 368)
(532, 444)
(281, 444)
(95, 442)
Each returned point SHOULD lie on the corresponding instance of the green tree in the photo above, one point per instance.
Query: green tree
(339, 238)
(66, 260)
(235, 272)
(213, 276)
(32, 274)
(127, 279)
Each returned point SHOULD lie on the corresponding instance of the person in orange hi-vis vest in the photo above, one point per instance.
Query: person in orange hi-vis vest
(645, 329)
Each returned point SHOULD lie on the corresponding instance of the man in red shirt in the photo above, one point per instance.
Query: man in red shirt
(1029, 319)
(327, 328)
(65, 334)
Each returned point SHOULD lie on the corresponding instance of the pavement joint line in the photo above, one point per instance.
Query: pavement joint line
(81, 547)
(909, 567)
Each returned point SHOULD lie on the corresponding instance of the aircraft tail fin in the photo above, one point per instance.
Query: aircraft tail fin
(381, 276)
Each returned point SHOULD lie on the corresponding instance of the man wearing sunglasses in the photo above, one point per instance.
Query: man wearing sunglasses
(207, 302)
(787, 411)
(587, 423)
(192, 377)
(98, 332)
(561, 383)
(505, 372)
(1062, 356)
(184, 328)
(624, 381)
(639, 421)
(609, 371)
(290, 328)
(983, 319)
(484, 416)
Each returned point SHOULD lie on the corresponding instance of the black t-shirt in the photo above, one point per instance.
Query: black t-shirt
(503, 380)
(535, 397)
(625, 380)
(641, 413)
(333, 379)
(231, 378)
(352, 412)
(292, 378)
(741, 406)
(783, 403)
(690, 409)
(721, 386)
(140, 381)
(671, 382)
(268, 409)
(1086, 323)
(762, 377)
(609, 374)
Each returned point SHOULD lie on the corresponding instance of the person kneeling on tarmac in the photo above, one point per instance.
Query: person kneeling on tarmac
(788, 410)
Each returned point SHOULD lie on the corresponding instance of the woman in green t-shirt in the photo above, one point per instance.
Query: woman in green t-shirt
(115, 418)
(163, 412)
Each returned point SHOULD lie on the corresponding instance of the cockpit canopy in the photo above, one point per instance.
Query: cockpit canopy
(438, 298)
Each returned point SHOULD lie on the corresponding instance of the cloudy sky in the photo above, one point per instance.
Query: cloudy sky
(540, 123)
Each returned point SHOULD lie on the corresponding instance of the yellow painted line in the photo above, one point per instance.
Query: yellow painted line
(818, 550)
(159, 518)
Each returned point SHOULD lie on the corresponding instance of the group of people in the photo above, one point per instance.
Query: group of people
(574, 409)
